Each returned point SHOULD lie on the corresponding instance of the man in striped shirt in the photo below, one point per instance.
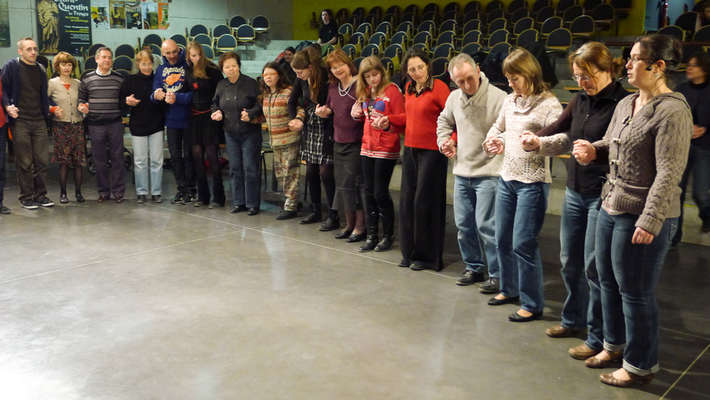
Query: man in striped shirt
(99, 99)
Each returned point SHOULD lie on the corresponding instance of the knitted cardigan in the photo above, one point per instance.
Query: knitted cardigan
(275, 106)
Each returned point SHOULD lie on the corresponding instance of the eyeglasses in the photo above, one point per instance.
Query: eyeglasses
(581, 78)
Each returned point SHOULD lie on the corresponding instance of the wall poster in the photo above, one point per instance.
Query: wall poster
(64, 25)
(99, 14)
(4, 24)
(117, 8)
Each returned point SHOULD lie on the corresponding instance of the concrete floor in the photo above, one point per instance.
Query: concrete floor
(127, 301)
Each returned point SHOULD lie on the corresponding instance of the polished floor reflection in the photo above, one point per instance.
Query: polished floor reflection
(127, 301)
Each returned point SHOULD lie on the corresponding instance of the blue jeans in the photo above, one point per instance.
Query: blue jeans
(243, 150)
(520, 212)
(628, 274)
(148, 148)
(582, 306)
(474, 214)
(699, 166)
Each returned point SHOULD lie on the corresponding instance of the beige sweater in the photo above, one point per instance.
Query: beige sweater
(647, 156)
(66, 99)
(520, 114)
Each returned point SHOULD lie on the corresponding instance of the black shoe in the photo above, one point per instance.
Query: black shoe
(287, 214)
(79, 197)
(44, 201)
(141, 199)
(499, 302)
(384, 244)
(404, 263)
(331, 223)
(418, 267)
(4, 210)
(63, 199)
(314, 217)
(253, 211)
(196, 202)
(118, 198)
(179, 199)
(156, 198)
(515, 317)
(370, 243)
(29, 204)
(492, 286)
(192, 198)
(102, 198)
(356, 237)
(344, 234)
(470, 277)
(238, 209)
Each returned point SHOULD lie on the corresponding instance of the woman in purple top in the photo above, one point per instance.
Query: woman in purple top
(348, 138)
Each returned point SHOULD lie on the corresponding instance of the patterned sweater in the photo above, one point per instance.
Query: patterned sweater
(102, 94)
(517, 115)
(275, 106)
(647, 156)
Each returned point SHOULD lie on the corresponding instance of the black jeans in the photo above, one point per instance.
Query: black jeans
(315, 174)
(180, 146)
(376, 175)
(422, 206)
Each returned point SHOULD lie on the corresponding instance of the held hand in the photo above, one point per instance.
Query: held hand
(159, 94)
(698, 131)
(216, 116)
(170, 97)
(58, 112)
(381, 122)
(83, 108)
(13, 111)
(132, 101)
(494, 146)
(529, 141)
(295, 125)
(323, 111)
(245, 115)
(448, 148)
(584, 152)
(641, 236)
(356, 110)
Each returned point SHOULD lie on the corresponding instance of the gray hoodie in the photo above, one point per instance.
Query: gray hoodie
(471, 118)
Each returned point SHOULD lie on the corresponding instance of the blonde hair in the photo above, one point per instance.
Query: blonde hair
(144, 55)
(522, 62)
(596, 54)
(63, 58)
(366, 65)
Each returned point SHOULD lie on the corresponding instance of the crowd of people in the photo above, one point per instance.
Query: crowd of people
(622, 204)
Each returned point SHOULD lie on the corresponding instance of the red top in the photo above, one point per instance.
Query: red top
(421, 114)
(3, 119)
(377, 143)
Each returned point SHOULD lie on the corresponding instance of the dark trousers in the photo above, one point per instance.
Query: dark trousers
(31, 143)
(244, 166)
(204, 149)
(107, 144)
(315, 174)
(376, 175)
(422, 206)
(3, 142)
(699, 166)
(180, 147)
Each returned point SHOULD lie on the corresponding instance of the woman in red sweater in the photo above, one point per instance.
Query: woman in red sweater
(422, 205)
(377, 98)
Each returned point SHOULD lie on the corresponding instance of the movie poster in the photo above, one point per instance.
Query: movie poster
(163, 22)
(99, 14)
(134, 20)
(117, 11)
(149, 11)
(63, 25)
(4, 24)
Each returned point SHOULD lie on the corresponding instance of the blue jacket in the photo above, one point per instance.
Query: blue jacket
(11, 88)
(174, 78)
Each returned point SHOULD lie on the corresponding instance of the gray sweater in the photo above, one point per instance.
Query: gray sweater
(647, 157)
(471, 118)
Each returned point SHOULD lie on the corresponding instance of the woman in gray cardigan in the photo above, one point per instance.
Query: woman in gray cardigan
(647, 146)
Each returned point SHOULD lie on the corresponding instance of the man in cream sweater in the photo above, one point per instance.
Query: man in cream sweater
(470, 111)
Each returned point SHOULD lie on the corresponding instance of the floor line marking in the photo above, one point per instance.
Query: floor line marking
(704, 338)
(684, 373)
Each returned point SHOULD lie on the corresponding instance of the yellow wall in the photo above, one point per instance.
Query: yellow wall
(302, 10)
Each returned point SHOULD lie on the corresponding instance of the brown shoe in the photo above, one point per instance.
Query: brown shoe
(614, 361)
(560, 331)
(582, 352)
(636, 380)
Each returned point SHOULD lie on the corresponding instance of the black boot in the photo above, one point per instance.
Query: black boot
(387, 231)
(331, 223)
(371, 241)
(315, 215)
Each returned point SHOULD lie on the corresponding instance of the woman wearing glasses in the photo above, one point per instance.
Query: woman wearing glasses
(586, 117)
(647, 146)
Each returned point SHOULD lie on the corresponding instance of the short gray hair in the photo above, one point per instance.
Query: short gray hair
(459, 60)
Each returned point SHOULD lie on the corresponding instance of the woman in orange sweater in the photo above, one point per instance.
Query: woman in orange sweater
(422, 204)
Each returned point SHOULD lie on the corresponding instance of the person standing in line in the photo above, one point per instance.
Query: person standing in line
(146, 125)
(523, 186)
(204, 77)
(170, 86)
(470, 111)
(236, 102)
(68, 130)
(377, 100)
(647, 146)
(26, 102)
(586, 117)
(284, 62)
(286, 143)
(309, 92)
(99, 95)
(422, 203)
(3, 145)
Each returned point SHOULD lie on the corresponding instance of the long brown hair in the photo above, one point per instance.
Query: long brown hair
(310, 58)
(522, 62)
(281, 84)
(366, 65)
(199, 70)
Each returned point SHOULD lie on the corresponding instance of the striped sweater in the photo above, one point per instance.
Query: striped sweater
(102, 94)
(275, 106)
